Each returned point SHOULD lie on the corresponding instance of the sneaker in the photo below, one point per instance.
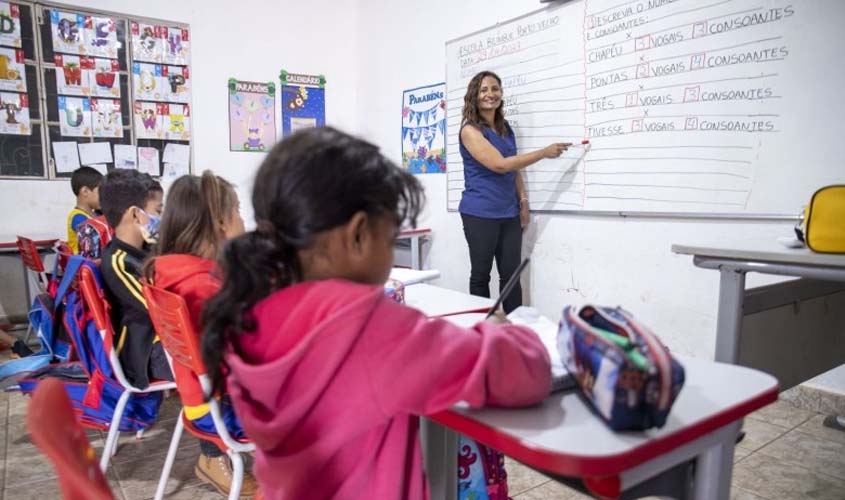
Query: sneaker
(217, 471)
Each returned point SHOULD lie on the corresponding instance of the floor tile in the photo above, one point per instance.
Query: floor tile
(741, 494)
(522, 478)
(155, 441)
(740, 453)
(783, 414)
(759, 434)
(815, 427)
(30, 467)
(202, 492)
(769, 478)
(815, 453)
(43, 489)
(551, 490)
(138, 479)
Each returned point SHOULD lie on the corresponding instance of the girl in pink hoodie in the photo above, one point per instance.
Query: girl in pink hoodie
(327, 376)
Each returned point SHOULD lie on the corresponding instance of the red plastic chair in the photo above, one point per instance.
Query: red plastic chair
(98, 307)
(54, 428)
(172, 322)
(32, 261)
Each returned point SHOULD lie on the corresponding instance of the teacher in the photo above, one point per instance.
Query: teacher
(494, 206)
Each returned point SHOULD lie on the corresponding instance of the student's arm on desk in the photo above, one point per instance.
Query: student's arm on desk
(422, 366)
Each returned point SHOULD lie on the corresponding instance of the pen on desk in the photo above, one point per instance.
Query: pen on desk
(509, 286)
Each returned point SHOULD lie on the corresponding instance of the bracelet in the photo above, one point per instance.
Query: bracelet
(523, 199)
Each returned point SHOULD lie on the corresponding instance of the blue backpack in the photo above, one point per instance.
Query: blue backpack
(89, 380)
(55, 344)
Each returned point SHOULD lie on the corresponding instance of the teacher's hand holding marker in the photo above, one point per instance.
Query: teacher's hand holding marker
(556, 149)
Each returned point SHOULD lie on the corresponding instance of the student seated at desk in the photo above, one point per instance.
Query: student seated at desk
(85, 183)
(327, 375)
(203, 212)
(131, 202)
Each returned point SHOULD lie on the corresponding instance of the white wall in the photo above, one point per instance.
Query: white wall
(252, 43)
(575, 259)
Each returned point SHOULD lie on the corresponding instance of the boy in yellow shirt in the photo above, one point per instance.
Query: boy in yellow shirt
(85, 183)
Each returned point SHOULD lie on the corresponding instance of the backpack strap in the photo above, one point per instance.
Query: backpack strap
(73, 265)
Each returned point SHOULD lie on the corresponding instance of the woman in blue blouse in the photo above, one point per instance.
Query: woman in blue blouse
(494, 207)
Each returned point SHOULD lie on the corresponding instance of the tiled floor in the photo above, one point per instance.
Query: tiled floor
(786, 455)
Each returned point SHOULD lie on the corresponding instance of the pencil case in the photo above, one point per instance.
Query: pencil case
(823, 226)
(395, 291)
(624, 371)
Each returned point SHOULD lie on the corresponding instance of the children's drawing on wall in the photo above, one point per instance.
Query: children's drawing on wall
(10, 26)
(252, 115)
(68, 32)
(72, 74)
(424, 129)
(106, 117)
(75, 116)
(146, 42)
(101, 36)
(176, 121)
(14, 114)
(148, 120)
(303, 102)
(12, 70)
(177, 79)
(175, 45)
(106, 78)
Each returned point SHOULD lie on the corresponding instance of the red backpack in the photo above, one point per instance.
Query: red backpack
(93, 235)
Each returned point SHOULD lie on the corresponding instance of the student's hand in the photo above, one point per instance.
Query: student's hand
(499, 318)
(556, 149)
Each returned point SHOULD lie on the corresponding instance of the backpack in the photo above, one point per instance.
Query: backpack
(55, 344)
(90, 381)
(481, 472)
(92, 236)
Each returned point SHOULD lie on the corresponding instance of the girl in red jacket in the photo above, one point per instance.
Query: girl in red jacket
(326, 374)
(203, 212)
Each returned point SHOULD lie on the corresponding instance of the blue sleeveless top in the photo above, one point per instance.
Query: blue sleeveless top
(486, 193)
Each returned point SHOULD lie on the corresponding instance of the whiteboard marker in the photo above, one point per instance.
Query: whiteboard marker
(585, 143)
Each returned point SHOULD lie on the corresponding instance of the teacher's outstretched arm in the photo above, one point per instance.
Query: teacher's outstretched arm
(481, 149)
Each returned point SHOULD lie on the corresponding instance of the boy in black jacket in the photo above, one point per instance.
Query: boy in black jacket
(131, 203)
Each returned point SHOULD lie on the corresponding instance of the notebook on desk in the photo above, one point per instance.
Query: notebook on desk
(545, 329)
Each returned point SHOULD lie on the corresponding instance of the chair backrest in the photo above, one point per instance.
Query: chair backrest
(97, 304)
(54, 428)
(29, 254)
(172, 322)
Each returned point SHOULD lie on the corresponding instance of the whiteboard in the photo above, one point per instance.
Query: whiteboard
(716, 107)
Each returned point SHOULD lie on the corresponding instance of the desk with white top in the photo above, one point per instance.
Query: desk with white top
(413, 276)
(14, 305)
(817, 345)
(690, 457)
(436, 301)
(415, 238)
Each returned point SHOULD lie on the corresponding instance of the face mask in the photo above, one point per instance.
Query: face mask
(149, 231)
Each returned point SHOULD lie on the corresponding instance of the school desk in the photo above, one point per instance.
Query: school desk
(733, 260)
(690, 457)
(415, 237)
(413, 276)
(13, 304)
(437, 301)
